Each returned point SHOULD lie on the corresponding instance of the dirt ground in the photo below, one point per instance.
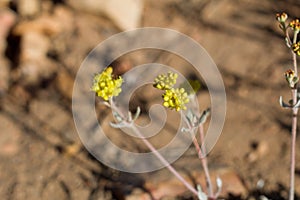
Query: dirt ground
(41, 155)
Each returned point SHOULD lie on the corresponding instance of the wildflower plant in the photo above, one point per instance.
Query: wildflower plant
(176, 98)
(107, 86)
(291, 31)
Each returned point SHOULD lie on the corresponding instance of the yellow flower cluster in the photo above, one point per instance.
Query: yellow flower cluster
(105, 85)
(296, 48)
(174, 98)
(291, 78)
(164, 82)
(295, 25)
(281, 17)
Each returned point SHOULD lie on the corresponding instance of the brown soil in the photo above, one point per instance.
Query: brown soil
(41, 155)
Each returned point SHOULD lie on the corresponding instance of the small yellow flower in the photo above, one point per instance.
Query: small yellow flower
(281, 17)
(296, 48)
(105, 85)
(295, 25)
(164, 82)
(175, 99)
(291, 78)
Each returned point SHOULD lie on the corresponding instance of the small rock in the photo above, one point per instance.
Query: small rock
(126, 14)
(138, 194)
(29, 8)
(44, 25)
(35, 43)
(72, 149)
(34, 46)
(168, 188)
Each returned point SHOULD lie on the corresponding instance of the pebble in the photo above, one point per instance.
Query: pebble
(29, 8)
(45, 25)
(35, 43)
(126, 14)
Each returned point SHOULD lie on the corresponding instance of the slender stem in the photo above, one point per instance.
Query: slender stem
(293, 154)
(152, 148)
(202, 157)
(293, 131)
(293, 145)
(163, 160)
(204, 164)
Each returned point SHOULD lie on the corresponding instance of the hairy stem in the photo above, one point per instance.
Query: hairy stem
(202, 157)
(204, 164)
(293, 154)
(152, 148)
(163, 160)
(294, 130)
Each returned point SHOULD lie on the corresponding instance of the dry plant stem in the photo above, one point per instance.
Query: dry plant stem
(294, 126)
(203, 158)
(293, 151)
(152, 149)
(163, 160)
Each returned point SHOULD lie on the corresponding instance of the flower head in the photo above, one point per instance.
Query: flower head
(295, 25)
(105, 85)
(291, 78)
(164, 82)
(281, 17)
(296, 48)
(175, 99)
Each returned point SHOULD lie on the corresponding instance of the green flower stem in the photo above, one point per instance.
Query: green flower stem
(152, 148)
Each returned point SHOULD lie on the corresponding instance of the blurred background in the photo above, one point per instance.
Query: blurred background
(44, 42)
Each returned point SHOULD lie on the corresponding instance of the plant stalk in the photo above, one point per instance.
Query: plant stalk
(203, 158)
(294, 129)
(204, 164)
(163, 160)
(293, 153)
(152, 149)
